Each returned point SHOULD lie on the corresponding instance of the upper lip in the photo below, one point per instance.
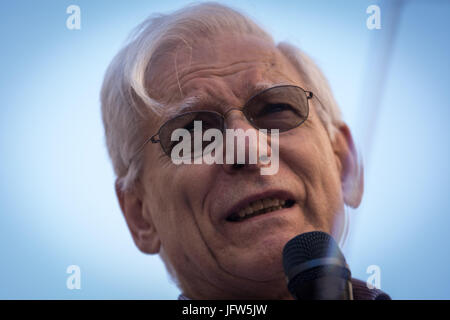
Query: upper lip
(278, 194)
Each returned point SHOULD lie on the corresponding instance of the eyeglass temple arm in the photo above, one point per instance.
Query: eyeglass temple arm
(309, 94)
(152, 139)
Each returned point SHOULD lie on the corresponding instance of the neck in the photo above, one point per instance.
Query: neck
(201, 289)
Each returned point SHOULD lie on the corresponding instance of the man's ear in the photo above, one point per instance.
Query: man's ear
(139, 222)
(351, 169)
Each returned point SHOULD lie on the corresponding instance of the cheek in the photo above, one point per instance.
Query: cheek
(177, 209)
(309, 155)
(310, 158)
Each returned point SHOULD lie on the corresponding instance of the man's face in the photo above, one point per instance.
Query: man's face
(189, 205)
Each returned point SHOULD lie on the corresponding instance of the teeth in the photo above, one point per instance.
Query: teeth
(260, 206)
(267, 202)
(257, 205)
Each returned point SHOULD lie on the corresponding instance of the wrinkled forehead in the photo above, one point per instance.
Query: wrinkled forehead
(224, 70)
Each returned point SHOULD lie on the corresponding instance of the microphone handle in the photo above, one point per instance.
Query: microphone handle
(329, 287)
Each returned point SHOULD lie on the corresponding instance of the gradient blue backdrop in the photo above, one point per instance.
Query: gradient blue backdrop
(57, 203)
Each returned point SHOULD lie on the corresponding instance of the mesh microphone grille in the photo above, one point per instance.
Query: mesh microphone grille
(308, 246)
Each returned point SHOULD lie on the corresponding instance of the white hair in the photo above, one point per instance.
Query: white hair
(126, 103)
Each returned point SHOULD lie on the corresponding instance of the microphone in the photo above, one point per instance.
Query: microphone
(316, 269)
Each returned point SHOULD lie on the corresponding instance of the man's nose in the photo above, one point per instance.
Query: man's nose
(245, 147)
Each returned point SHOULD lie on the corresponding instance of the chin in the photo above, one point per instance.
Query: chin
(260, 261)
(257, 250)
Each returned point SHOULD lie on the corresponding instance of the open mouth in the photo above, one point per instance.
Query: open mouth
(259, 207)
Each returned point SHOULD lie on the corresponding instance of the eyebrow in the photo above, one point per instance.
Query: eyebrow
(194, 102)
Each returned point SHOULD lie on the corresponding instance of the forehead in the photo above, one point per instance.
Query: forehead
(224, 70)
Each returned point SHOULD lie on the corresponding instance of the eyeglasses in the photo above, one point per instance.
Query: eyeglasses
(282, 107)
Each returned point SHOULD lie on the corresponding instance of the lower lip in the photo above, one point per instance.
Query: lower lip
(263, 216)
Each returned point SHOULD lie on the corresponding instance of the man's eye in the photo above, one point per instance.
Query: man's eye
(274, 108)
(205, 124)
(189, 126)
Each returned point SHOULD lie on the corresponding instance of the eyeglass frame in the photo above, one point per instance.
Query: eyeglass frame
(309, 95)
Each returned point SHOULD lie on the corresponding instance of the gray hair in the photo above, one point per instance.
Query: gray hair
(125, 100)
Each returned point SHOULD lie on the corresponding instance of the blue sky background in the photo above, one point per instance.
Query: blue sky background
(57, 203)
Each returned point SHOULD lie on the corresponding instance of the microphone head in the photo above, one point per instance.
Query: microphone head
(310, 256)
(308, 246)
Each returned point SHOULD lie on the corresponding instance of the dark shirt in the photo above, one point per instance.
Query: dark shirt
(360, 292)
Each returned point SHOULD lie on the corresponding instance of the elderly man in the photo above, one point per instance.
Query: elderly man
(220, 228)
